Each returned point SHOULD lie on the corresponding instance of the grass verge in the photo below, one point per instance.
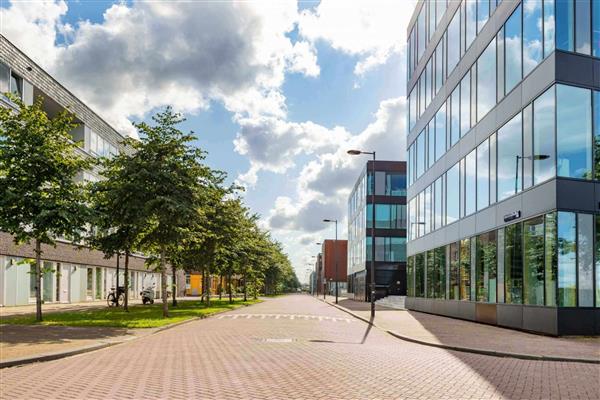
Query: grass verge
(139, 316)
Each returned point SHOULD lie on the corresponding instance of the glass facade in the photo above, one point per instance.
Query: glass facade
(546, 260)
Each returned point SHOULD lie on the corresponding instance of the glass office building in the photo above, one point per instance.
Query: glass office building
(504, 163)
(390, 231)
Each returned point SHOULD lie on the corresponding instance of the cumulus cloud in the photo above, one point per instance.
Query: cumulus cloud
(371, 30)
(187, 54)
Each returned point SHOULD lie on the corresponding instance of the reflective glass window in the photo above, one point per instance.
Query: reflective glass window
(430, 143)
(427, 213)
(465, 104)
(509, 155)
(573, 132)
(596, 138)
(533, 261)
(470, 185)
(430, 279)
(565, 21)
(4, 78)
(527, 160)
(512, 47)
(431, 15)
(483, 13)
(421, 34)
(567, 259)
(428, 83)
(597, 250)
(470, 21)
(486, 79)
(551, 260)
(439, 274)
(465, 269)
(396, 185)
(532, 35)
(440, 132)
(513, 264)
(420, 275)
(493, 168)
(440, 10)
(485, 268)
(422, 81)
(596, 28)
(548, 27)
(585, 259)
(583, 27)
(454, 277)
(412, 103)
(455, 116)
(452, 194)
(483, 175)
(439, 67)
(420, 154)
(500, 65)
(500, 266)
(453, 42)
(543, 137)
(438, 203)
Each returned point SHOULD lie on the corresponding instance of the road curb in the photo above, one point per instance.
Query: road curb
(86, 349)
(493, 353)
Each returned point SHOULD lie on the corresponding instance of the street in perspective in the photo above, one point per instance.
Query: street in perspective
(322, 199)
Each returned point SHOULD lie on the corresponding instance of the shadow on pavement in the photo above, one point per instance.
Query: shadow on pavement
(40, 334)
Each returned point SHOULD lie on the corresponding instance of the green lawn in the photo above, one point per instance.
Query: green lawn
(139, 316)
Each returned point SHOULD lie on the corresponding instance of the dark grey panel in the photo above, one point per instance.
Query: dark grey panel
(538, 80)
(573, 68)
(510, 315)
(466, 310)
(578, 321)
(540, 319)
(575, 195)
(508, 206)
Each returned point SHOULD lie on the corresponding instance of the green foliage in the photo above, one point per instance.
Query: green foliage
(39, 197)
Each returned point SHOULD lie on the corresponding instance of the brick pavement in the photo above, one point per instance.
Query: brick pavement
(454, 332)
(280, 349)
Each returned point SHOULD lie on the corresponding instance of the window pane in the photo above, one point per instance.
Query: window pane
(440, 132)
(471, 21)
(397, 249)
(513, 264)
(509, 151)
(452, 194)
(465, 104)
(4, 78)
(551, 260)
(438, 201)
(565, 25)
(430, 269)
(397, 184)
(585, 259)
(428, 83)
(500, 268)
(382, 216)
(412, 102)
(486, 80)
(597, 246)
(454, 271)
(420, 275)
(427, 214)
(465, 269)
(493, 168)
(597, 133)
(483, 175)
(470, 177)
(527, 161)
(421, 94)
(431, 14)
(453, 42)
(32, 280)
(439, 273)
(420, 154)
(548, 27)
(533, 261)
(512, 46)
(441, 9)
(573, 131)
(430, 143)
(486, 267)
(439, 70)
(583, 28)
(543, 137)
(483, 13)
(532, 34)
(455, 117)
(567, 260)
(500, 64)
(595, 29)
(421, 34)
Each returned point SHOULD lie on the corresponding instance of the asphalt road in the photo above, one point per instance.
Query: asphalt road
(292, 347)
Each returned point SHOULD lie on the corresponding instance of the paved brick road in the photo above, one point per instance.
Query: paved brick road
(281, 349)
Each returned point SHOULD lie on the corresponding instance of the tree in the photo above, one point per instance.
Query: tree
(167, 173)
(40, 199)
(115, 203)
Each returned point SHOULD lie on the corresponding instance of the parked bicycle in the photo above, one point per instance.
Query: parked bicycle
(116, 298)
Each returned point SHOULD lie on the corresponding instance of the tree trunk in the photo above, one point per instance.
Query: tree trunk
(163, 283)
(220, 287)
(38, 280)
(229, 288)
(117, 287)
(203, 286)
(126, 300)
(174, 285)
(207, 288)
(245, 287)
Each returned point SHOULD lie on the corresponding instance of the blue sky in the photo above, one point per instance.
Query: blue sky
(276, 92)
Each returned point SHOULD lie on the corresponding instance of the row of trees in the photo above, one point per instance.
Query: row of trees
(157, 197)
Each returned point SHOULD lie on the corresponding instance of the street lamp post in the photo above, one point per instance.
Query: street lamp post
(355, 153)
(335, 257)
(535, 157)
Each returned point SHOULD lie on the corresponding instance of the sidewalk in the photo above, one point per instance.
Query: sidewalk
(455, 334)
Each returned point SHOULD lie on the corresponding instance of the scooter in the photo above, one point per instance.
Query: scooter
(147, 295)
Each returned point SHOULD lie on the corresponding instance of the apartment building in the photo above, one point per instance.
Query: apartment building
(69, 274)
(390, 231)
(504, 163)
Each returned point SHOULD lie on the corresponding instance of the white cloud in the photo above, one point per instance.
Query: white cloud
(150, 54)
(371, 30)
